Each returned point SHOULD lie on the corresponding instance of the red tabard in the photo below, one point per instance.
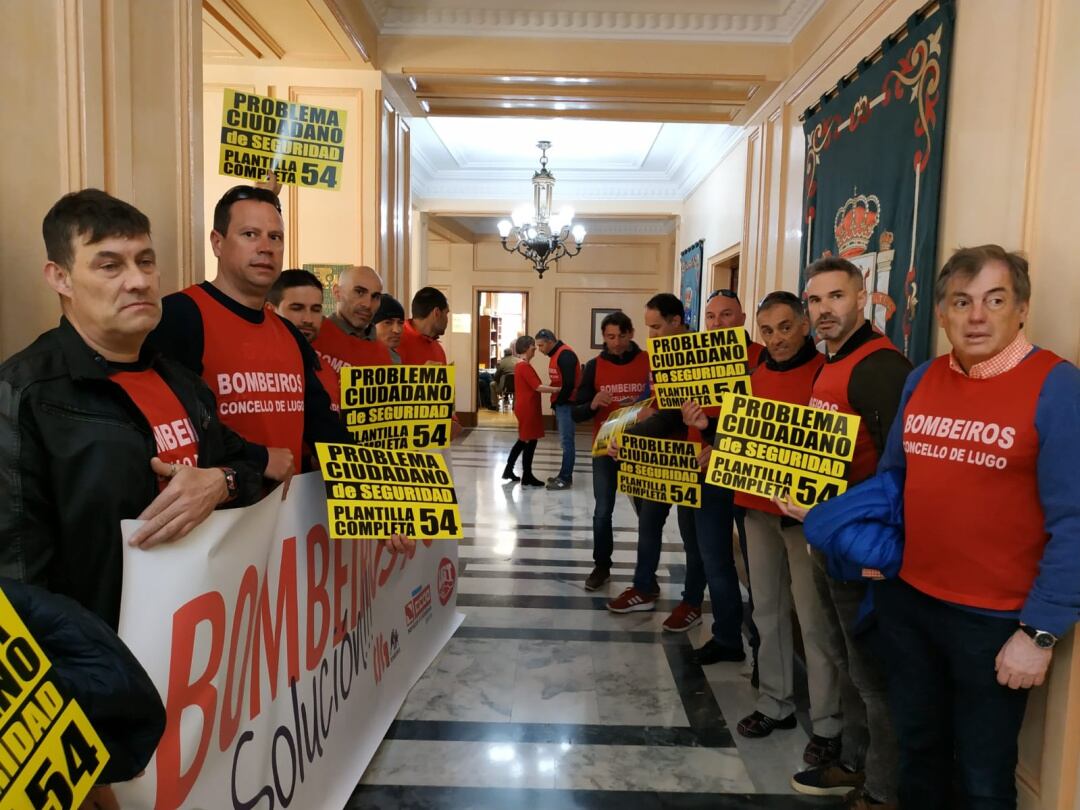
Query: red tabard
(331, 381)
(792, 386)
(623, 382)
(175, 436)
(256, 372)
(338, 349)
(974, 529)
(556, 374)
(830, 392)
(417, 349)
(753, 357)
(527, 402)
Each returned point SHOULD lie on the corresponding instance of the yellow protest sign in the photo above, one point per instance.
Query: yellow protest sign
(617, 421)
(302, 144)
(698, 366)
(372, 493)
(769, 448)
(663, 470)
(398, 407)
(49, 754)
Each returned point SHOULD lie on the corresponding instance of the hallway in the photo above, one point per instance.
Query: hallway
(543, 699)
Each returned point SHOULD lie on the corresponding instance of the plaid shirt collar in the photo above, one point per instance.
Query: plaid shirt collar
(1005, 360)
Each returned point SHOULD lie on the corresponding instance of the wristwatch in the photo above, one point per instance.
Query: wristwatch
(1041, 638)
(230, 482)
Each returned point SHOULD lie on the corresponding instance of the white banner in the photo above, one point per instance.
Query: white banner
(282, 656)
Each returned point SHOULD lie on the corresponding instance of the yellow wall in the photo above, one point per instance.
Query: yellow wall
(611, 272)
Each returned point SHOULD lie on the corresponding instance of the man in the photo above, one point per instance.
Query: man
(262, 370)
(96, 427)
(297, 296)
(346, 337)
(986, 445)
(779, 564)
(614, 378)
(389, 323)
(420, 338)
(564, 370)
(863, 374)
(710, 555)
(504, 373)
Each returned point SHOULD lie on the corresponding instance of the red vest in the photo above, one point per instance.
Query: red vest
(625, 381)
(175, 436)
(417, 349)
(973, 524)
(830, 392)
(338, 349)
(792, 386)
(331, 381)
(256, 372)
(556, 374)
(753, 355)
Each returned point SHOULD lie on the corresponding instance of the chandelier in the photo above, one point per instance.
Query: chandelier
(534, 232)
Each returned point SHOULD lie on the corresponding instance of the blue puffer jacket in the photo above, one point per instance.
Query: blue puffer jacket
(863, 528)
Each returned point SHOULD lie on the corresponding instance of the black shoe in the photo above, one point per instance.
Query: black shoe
(508, 475)
(531, 481)
(821, 751)
(757, 725)
(713, 652)
(597, 579)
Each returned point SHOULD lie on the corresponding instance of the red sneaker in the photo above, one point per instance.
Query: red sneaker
(684, 617)
(630, 601)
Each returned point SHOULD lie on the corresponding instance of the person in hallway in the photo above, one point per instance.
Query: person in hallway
(389, 323)
(297, 296)
(529, 414)
(983, 593)
(420, 337)
(504, 373)
(222, 331)
(614, 378)
(863, 374)
(96, 427)
(783, 573)
(710, 549)
(347, 336)
(564, 370)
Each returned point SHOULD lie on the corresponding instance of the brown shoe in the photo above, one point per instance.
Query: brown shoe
(597, 579)
(827, 780)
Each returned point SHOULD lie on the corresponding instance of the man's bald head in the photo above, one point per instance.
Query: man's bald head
(357, 294)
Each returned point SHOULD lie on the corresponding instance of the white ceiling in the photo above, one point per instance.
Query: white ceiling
(701, 20)
(494, 158)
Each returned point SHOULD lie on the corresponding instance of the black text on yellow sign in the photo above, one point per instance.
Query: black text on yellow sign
(302, 144)
(50, 756)
(662, 470)
(373, 493)
(699, 367)
(398, 407)
(777, 449)
(615, 424)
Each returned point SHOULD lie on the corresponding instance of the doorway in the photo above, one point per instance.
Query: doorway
(725, 271)
(501, 318)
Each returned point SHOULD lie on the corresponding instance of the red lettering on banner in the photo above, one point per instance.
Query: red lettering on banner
(173, 786)
(341, 581)
(230, 716)
(317, 540)
(269, 631)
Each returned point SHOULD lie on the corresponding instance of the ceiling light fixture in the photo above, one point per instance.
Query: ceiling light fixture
(534, 232)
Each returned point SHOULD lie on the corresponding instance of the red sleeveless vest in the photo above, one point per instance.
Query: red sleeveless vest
(830, 392)
(974, 526)
(556, 374)
(338, 349)
(625, 381)
(174, 435)
(256, 372)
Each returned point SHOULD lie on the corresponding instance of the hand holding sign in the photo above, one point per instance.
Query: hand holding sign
(192, 494)
(694, 416)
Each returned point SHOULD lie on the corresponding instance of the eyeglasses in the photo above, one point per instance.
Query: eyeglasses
(238, 193)
(781, 297)
(726, 293)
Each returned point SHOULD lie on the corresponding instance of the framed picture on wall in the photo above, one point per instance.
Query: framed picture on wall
(328, 274)
(598, 316)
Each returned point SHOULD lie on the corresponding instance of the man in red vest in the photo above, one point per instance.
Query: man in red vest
(564, 368)
(863, 374)
(430, 318)
(346, 337)
(986, 442)
(297, 296)
(614, 378)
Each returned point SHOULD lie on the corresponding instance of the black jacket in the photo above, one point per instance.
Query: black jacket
(75, 460)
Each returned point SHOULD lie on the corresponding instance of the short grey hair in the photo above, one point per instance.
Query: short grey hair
(966, 263)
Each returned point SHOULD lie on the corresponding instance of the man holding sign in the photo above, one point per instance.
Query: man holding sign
(614, 378)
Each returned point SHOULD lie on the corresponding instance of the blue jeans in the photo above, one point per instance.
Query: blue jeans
(565, 420)
(604, 469)
(651, 518)
(710, 560)
(947, 705)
